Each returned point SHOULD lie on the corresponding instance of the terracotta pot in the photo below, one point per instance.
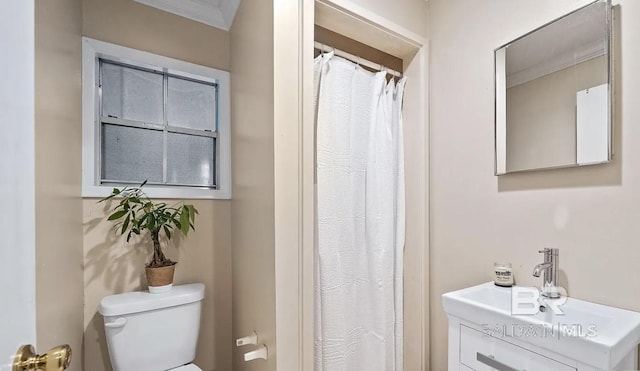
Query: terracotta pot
(160, 279)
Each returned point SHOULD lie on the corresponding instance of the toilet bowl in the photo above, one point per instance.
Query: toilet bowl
(153, 332)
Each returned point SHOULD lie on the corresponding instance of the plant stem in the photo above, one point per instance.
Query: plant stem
(159, 260)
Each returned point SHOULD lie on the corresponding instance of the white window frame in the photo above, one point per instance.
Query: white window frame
(92, 51)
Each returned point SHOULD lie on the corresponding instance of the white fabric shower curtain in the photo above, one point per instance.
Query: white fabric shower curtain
(360, 218)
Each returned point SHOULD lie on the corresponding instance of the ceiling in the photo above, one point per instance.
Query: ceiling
(216, 13)
(576, 37)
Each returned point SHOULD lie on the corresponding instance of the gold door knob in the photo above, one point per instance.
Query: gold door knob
(56, 359)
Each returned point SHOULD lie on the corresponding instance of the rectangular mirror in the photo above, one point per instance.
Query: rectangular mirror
(553, 91)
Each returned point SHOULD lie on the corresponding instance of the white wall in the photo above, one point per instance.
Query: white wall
(592, 214)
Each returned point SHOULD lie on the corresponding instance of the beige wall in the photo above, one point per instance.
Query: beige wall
(411, 14)
(252, 207)
(541, 116)
(58, 161)
(131, 24)
(591, 214)
(111, 265)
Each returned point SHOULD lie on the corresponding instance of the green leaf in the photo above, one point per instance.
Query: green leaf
(184, 222)
(173, 216)
(126, 223)
(192, 213)
(107, 198)
(117, 215)
(136, 213)
(142, 219)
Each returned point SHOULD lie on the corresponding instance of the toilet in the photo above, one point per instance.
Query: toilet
(153, 332)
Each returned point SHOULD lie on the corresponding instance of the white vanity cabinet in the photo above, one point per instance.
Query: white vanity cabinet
(479, 351)
(485, 336)
(472, 348)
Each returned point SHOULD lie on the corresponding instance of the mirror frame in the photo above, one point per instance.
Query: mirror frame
(500, 106)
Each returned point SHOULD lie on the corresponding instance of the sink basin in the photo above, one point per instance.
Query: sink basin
(597, 335)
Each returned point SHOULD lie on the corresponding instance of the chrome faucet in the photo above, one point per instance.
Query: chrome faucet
(550, 269)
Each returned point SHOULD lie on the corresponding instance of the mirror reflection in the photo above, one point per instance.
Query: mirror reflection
(553, 105)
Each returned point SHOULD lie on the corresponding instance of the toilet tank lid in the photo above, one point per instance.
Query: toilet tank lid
(142, 301)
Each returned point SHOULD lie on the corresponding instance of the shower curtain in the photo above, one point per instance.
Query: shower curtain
(360, 218)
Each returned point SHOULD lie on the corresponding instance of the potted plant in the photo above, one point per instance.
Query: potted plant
(136, 214)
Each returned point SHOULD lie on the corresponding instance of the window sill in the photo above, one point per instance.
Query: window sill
(184, 193)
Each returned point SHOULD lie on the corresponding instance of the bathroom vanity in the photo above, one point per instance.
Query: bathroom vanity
(484, 334)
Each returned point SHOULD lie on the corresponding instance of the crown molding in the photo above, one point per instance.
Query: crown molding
(199, 10)
(228, 9)
(562, 61)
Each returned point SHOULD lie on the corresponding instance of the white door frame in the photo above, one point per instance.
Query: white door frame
(294, 147)
(17, 178)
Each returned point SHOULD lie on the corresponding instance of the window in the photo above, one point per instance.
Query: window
(153, 118)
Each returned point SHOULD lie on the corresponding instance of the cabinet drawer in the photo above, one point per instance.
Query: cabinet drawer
(482, 352)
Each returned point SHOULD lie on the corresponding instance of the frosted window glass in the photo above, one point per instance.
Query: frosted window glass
(191, 104)
(132, 94)
(131, 154)
(190, 159)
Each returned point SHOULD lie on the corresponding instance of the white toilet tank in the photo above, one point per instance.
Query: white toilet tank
(152, 332)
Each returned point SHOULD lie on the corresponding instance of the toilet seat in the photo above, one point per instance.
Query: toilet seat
(189, 367)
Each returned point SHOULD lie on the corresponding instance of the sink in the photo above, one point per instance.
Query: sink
(597, 335)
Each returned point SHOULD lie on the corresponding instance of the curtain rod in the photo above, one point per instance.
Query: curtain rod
(356, 59)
